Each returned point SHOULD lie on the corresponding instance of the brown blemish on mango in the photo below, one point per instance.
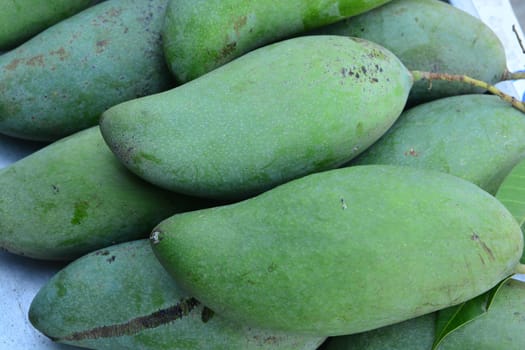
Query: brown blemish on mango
(138, 324)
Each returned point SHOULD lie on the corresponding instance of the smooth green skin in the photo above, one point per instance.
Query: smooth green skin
(277, 113)
(500, 328)
(73, 196)
(343, 251)
(114, 286)
(21, 19)
(201, 35)
(414, 334)
(430, 35)
(61, 80)
(476, 137)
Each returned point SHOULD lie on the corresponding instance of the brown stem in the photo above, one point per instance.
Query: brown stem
(512, 76)
(420, 76)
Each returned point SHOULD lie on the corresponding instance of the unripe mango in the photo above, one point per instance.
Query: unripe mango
(476, 137)
(279, 112)
(73, 196)
(500, 328)
(21, 19)
(61, 80)
(121, 298)
(343, 251)
(201, 35)
(414, 334)
(433, 36)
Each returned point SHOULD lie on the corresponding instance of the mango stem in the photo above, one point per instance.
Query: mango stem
(512, 76)
(520, 269)
(421, 76)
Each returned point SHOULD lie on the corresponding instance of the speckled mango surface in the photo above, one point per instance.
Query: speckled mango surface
(21, 19)
(343, 251)
(279, 112)
(201, 35)
(476, 137)
(61, 80)
(73, 196)
(121, 298)
(433, 36)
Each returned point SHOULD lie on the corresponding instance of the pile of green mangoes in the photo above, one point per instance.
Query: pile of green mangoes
(232, 174)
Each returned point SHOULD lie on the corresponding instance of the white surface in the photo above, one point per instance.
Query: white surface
(500, 16)
(21, 278)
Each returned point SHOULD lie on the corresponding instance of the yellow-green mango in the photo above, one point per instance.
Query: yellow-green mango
(279, 112)
(201, 35)
(61, 80)
(476, 137)
(21, 19)
(502, 327)
(433, 36)
(343, 251)
(73, 196)
(121, 298)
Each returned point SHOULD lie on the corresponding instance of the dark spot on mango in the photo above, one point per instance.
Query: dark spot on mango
(36, 61)
(272, 267)
(61, 53)
(111, 259)
(14, 64)
(101, 45)
(206, 314)
(102, 252)
(227, 50)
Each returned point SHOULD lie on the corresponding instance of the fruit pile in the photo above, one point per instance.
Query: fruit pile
(256, 175)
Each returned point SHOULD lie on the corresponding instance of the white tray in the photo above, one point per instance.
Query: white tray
(21, 278)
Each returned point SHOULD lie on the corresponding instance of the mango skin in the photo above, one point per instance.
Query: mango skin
(61, 80)
(476, 137)
(500, 328)
(346, 250)
(279, 112)
(430, 35)
(114, 286)
(199, 36)
(73, 196)
(414, 334)
(21, 19)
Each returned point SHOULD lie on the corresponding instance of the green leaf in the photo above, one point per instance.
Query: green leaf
(453, 318)
(512, 192)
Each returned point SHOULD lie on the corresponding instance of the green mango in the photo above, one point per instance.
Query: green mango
(21, 19)
(343, 251)
(476, 137)
(73, 196)
(121, 298)
(499, 328)
(201, 35)
(433, 36)
(413, 334)
(61, 80)
(279, 112)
